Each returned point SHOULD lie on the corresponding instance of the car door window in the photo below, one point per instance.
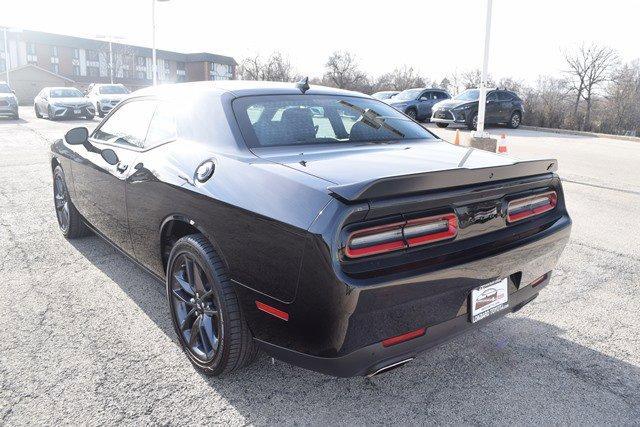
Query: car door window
(128, 125)
(492, 97)
(441, 95)
(163, 126)
(426, 96)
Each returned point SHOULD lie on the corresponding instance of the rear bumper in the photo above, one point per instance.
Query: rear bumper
(8, 110)
(337, 328)
(372, 358)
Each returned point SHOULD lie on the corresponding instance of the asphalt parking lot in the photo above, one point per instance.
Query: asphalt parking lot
(85, 335)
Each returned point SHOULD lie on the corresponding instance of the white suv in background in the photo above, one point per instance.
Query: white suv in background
(106, 96)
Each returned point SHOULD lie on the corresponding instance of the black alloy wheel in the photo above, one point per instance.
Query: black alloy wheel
(205, 311)
(62, 203)
(413, 114)
(69, 220)
(442, 125)
(195, 307)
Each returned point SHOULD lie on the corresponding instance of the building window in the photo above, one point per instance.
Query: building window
(54, 51)
(76, 70)
(92, 55)
(76, 54)
(93, 71)
(140, 60)
(31, 48)
(55, 68)
(141, 75)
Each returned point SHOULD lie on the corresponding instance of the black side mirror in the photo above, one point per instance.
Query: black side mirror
(110, 156)
(77, 136)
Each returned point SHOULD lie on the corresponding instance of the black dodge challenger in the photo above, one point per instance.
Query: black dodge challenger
(319, 225)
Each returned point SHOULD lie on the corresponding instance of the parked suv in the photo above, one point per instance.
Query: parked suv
(503, 106)
(106, 96)
(8, 101)
(417, 103)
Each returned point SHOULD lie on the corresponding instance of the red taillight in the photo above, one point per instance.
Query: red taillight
(527, 207)
(404, 337)
(401, 235)
(538, 280)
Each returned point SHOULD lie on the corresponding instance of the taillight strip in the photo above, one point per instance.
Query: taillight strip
(401, 235)
(527, 207)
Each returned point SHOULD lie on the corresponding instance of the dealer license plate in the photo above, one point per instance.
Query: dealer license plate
(76, 111)
(489, 299)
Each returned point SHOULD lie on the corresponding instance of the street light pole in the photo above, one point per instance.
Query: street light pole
(482, 99)
(153, 41)
(6, 54)
(154, 67)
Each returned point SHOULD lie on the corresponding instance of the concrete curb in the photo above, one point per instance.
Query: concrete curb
(577, 132)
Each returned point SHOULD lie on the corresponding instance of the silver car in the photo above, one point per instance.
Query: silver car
(104, 97)
(8, 102)
(62, 103)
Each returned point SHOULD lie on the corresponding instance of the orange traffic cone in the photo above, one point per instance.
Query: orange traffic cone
(502, 144)
(456, 141)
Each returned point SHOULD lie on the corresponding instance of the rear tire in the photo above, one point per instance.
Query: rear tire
(69, 219)
(514, 121)
(412, 113)
(442, 125)
(215, 344)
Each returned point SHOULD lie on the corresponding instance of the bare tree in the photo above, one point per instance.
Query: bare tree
(622, 100)
(276, 67)
(471, 79)
(123, 60)
(342, 71)
(589, 66)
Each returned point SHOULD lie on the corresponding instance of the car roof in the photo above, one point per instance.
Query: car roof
(239, 88)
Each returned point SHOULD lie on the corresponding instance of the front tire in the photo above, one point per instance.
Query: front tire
(205, 310)
(515, 120)
(442, 125)
(473, 123)
(89, 116)
(99, 110)
(38, 115)
(69, 219)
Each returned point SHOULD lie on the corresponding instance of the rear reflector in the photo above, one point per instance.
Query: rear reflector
(272, 311)
(527, 207)
(404, 337)
(401, 235)
(538, 280)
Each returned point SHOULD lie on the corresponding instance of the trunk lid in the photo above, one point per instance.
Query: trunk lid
(358, 172)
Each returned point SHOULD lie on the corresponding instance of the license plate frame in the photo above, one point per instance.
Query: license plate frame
(489, 299)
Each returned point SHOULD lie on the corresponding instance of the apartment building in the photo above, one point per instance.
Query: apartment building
(85, 61)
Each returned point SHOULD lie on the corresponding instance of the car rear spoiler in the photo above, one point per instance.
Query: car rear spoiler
(414, 183)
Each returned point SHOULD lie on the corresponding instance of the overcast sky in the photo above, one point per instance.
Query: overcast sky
(432, 36)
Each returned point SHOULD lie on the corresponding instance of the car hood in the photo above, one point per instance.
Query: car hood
(342, 165)
(74, 101)
(453, 103)
(392, 101)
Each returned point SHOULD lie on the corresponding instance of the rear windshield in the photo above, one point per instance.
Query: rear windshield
(115, 89)
(269, 121)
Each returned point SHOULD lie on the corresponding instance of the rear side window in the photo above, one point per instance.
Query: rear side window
(279, 120)
(442, 95)
(128, 125)
(163, 126)
(505, 96)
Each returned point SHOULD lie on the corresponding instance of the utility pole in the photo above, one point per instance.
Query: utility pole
(6, 54)
(482, 99)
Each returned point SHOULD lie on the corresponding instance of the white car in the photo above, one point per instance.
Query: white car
(106, 96)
